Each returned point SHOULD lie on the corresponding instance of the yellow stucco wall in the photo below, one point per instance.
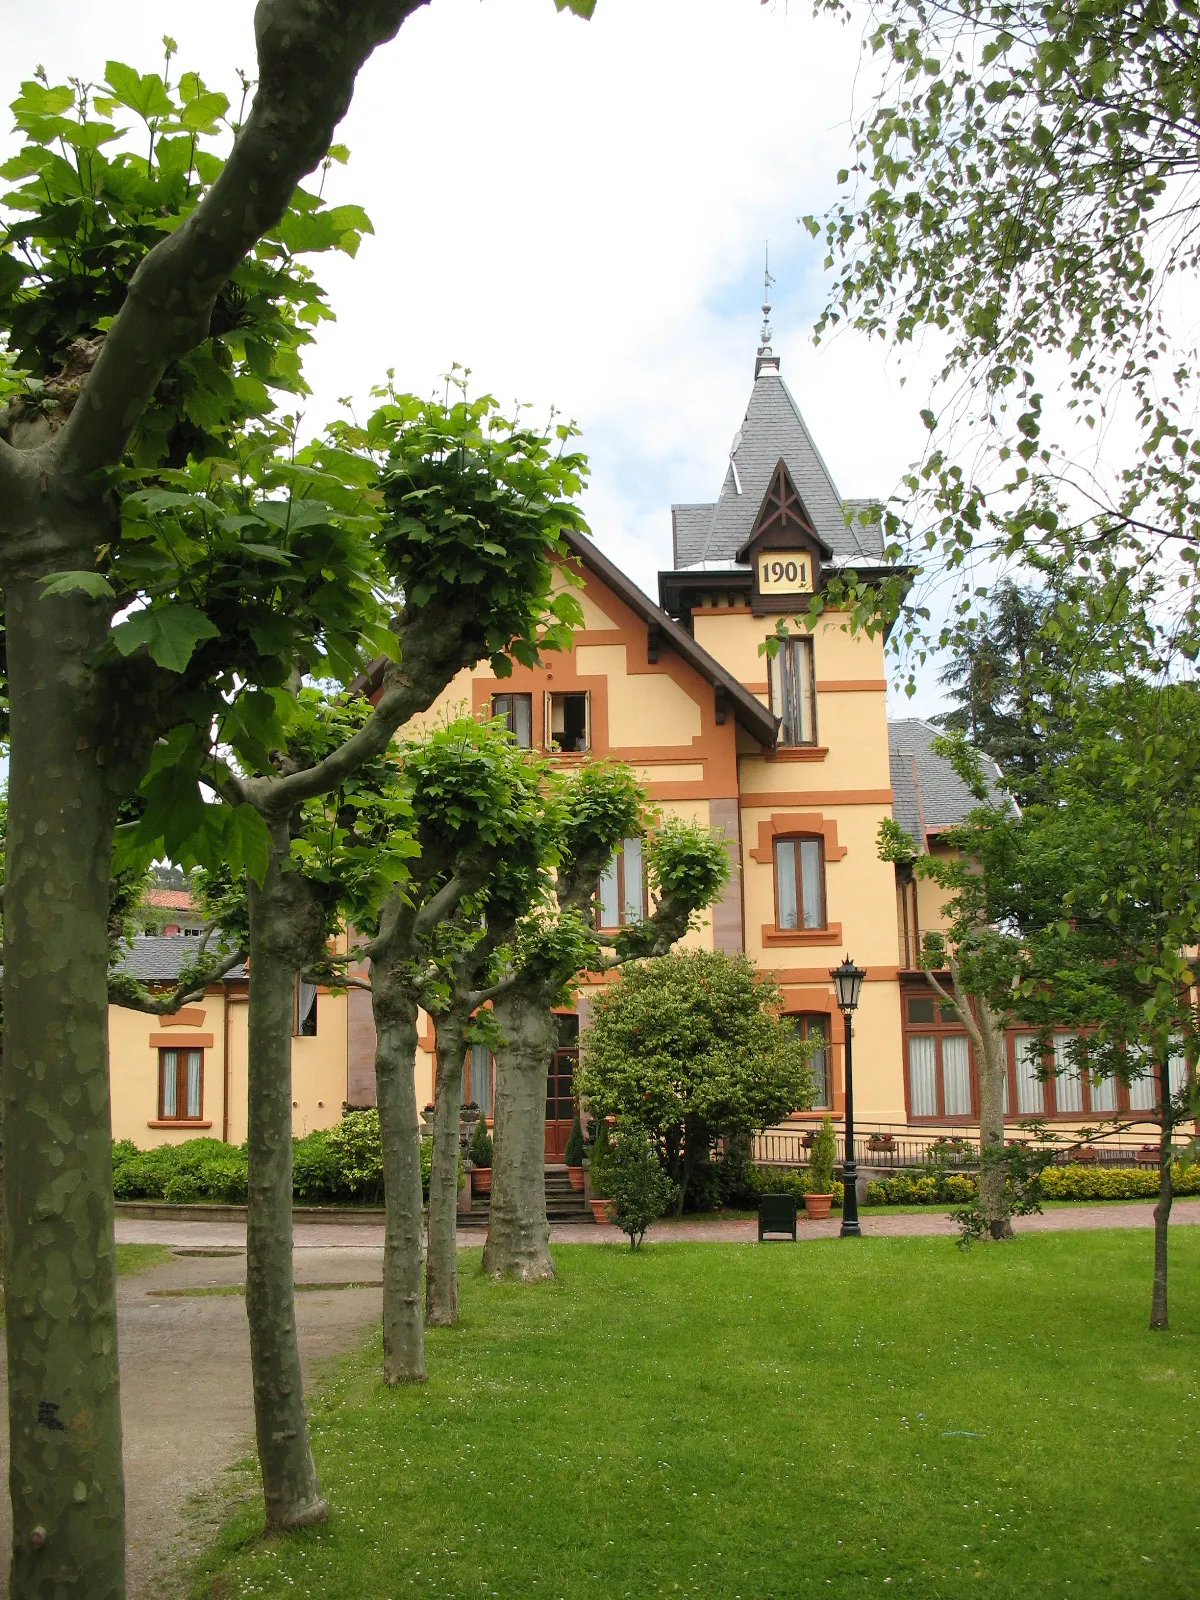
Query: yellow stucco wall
(134, 1040)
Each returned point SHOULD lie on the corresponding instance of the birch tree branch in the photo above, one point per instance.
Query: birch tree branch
(309, 53)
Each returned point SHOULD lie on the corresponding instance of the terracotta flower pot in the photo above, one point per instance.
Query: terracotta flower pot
(481, 1180)
(600, 1210)
(817, 1206)
(575, 1178)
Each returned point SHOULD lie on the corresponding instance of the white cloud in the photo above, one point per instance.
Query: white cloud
(577, 212)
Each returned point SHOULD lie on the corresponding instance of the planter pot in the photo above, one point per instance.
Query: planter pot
(881, 1144)
(817, 1206)
(481, 1180)
(600, 1210)
(575, 1178)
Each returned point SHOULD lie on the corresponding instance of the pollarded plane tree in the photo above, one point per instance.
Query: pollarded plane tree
(554, 947)
(150, 303)
(469, 516)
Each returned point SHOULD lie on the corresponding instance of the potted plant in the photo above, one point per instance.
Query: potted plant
(573, 1155)
(881, 1141)
(480, 1152)
(598, 1171)
(819, 1195)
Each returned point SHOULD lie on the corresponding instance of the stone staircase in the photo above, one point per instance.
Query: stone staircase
(563, 1204)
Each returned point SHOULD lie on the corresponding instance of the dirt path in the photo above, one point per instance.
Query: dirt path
(185, 1389)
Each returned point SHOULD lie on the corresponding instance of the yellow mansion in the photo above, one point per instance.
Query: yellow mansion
(794, 761)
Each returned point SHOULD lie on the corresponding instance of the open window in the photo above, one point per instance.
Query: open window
(621, 896)
(793, 692)
(568, 722)
(517, 711)
(304, 1024)
(180, 1085)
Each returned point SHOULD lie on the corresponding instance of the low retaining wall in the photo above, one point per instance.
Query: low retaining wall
(165, 1211)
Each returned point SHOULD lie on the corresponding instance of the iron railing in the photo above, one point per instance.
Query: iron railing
(892, 1147)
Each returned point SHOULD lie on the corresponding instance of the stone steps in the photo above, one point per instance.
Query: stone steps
(563, 1204)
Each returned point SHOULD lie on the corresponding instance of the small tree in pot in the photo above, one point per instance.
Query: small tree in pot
(820, 1173)
(480, 1152)
(600, 1171)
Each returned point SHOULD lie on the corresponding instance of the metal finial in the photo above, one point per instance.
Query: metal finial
(764, 347)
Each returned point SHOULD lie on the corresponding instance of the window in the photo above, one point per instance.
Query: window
(180, 1085)
(477, 1078)
(304, 1024)
(1143, 1090)
(1068, 1084)
(793, 691)
(621, 898)
(938, 1058)
(799, 883)
(517, 711)
(956, 1075)
(1028, 1059)
(922, 1075)
(1177, 1070)
(1104, 1094)
(567, 722)
(816, 1026)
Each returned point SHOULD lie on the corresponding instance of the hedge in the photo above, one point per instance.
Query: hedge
(342, 1165)
(1071, 1182)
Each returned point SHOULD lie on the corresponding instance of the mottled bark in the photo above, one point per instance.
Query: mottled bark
(283, 929)
(1162, 1210)
(986, 1032)
(395, 1009)
(64, 1410)
(518, 1237)
(441, 1256)
(990, 1053)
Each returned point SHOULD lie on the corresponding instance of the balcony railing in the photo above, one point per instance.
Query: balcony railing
(893, 1146)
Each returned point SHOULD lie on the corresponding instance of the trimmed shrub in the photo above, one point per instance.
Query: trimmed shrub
(480, 1147)
(316, 1168)
(824, 1154)
(359, 1154)
(788, 1180)
(640, 1189)
(1077, 1182)
(573, 1154)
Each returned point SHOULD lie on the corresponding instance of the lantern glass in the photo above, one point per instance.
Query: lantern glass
(847, 981)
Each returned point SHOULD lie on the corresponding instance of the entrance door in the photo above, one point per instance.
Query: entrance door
(560, 1088)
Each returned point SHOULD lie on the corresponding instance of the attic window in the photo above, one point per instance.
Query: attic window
(568, 721)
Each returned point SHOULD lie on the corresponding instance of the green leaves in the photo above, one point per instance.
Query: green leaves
(90, 583)
(581, 8)
(145, 95)
(170, 634)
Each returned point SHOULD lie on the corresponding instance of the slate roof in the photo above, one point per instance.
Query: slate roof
(772, 430)
(155, 958)
(927, 793)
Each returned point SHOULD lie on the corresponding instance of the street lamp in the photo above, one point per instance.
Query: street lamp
(847, 983)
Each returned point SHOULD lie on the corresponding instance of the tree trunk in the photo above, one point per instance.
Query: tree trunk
(59, 1259)
(993, 1067)
(1162, 1211)
(518, 1236)
(280, 937)
(441, 1258)
(395, 1011)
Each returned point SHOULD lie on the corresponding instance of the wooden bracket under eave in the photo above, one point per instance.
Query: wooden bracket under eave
(720, 704)
(653, 640)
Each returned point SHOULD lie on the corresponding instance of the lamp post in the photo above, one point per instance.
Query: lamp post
(847, 983)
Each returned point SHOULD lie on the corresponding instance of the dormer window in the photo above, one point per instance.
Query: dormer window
(793, 692)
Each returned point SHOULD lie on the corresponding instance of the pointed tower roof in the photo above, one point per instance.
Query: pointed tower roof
(773, 432)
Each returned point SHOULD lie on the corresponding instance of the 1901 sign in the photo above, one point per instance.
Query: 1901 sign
(784, 572)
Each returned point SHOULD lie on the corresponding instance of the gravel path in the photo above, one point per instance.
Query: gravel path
(187, 1409)
(185, 1359)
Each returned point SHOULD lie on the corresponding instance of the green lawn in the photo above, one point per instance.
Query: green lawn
(750, 1421)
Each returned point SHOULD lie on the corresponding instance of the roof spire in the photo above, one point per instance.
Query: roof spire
(766, 360)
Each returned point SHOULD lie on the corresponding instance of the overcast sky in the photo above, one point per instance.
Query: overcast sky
(577, 212)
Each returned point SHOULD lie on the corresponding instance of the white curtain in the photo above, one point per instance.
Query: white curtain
(481, 1078)
(170, 1078)
(610, 903)
(1104, 1094)
(810, 883)
(1143, 1090)
(1029, 1085)
(785, 883)
(1068, 1085)
(956, 1075)
(631, 869)
(194, 1060)
(1177, 1072)
(922, 1075)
